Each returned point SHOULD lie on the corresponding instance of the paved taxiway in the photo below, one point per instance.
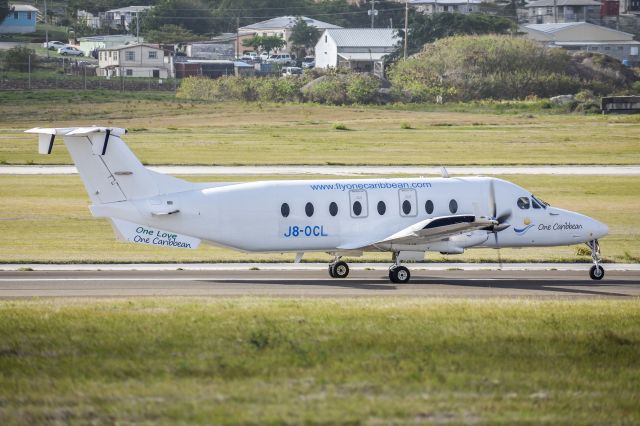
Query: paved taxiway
(316, 283)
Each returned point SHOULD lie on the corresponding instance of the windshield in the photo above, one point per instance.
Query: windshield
(539, 201)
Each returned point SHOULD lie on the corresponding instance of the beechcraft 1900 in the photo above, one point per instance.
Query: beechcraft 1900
(405, 217)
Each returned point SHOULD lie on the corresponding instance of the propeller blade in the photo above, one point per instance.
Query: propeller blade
(500, 227)
(504, 216)
(492, 199)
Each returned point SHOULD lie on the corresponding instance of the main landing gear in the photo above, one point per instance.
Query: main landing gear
(338, 269)
(597, 271)
(397, 273)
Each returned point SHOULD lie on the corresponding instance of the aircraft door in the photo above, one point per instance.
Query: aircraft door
(358, 203)
(408, 202)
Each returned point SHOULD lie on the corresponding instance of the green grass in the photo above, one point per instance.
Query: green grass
(46, 219)
(184, 132)
(323, 361)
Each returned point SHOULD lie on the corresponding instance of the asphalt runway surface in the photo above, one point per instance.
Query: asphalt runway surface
(316, 283)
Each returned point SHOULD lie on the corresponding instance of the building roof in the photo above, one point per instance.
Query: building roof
(598, 43)
(133, 9)
(551, 3)
(364, 37)
(112, 38)
(447, 2)
(22, 8)
(287, 22)
(556, 28)
(133, 45)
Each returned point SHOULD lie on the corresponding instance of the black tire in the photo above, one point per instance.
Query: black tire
(340, 270)
(399, 274)
(596, 272)
(331, 265)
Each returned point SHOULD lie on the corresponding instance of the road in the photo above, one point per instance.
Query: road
(475, 283)
(351, 170)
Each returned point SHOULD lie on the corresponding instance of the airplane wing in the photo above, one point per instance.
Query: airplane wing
(428, 231)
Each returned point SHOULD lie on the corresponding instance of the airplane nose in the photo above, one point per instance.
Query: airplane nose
(599, 229)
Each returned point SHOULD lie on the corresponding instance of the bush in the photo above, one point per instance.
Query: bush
(362, 88)
(464, 68)
(17, 59)
(241, 89)
(330, 89)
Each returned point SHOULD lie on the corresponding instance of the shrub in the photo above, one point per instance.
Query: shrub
(329, 90)
(464, 68)
(17, 59)
(362, 88)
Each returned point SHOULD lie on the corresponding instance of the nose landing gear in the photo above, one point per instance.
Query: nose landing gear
(597, 271)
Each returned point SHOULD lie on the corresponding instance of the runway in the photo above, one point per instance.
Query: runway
(284, 170)
(534, 284)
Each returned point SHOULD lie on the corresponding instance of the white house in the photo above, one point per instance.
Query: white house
(361, 49)
(123, 17)
(438, 6)
(585, 36)
(89, 19)
(138, 60)
(281, 27)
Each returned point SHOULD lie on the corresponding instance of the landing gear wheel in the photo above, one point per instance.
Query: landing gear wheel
(399, 274)
(331, 265)
(339, 270)
(596, 272)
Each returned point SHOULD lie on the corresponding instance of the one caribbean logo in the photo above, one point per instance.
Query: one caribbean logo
(522, 231)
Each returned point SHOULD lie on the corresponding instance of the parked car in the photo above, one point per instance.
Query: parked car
(282, 58)
(264, 56)
(70, 50)
(250, 57)
(309, 62)
(53, 45)
(289, 71)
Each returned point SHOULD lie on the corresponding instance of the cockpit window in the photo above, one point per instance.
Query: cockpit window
(523, 203)
(538, 203)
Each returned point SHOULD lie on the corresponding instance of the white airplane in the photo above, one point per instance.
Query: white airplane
(405, 217)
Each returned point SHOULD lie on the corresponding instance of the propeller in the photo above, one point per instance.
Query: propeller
(502, 219)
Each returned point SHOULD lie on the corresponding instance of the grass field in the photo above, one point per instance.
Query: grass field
(169, 131)
(46, 219)
(326, 361)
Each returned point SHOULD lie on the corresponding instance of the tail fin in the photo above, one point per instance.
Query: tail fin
(109, 170)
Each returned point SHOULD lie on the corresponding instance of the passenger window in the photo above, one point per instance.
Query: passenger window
(284, 209)
(308, 209)
(523, 203)
(453, 206)
(357, 208)
(428, 206)
(382, 208)
(406, 207)
(333, 209)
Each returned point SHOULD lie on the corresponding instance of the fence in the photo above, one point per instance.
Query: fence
(73, 74)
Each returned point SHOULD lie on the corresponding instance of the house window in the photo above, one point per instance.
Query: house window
(115, 55)
(130, 56)
(29, 16)
(156, 73)
(129, 72)
(15, 15)
(109, 53)
(549, 11)
(153, 54)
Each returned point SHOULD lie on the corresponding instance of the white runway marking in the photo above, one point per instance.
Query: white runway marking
(615, 170)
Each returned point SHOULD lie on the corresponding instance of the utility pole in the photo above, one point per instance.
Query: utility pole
(406, 26)
(137, 27)
(237, 37)
(373, 11)
(46, 29)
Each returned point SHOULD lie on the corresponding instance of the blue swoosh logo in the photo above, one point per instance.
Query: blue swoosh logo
(522, 231)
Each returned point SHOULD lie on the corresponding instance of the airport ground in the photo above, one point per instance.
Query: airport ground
(265, 347)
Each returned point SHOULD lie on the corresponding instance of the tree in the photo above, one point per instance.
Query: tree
(264, 43)
(171, 34)
(303, 36)
(193, 15)
(4, 9)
